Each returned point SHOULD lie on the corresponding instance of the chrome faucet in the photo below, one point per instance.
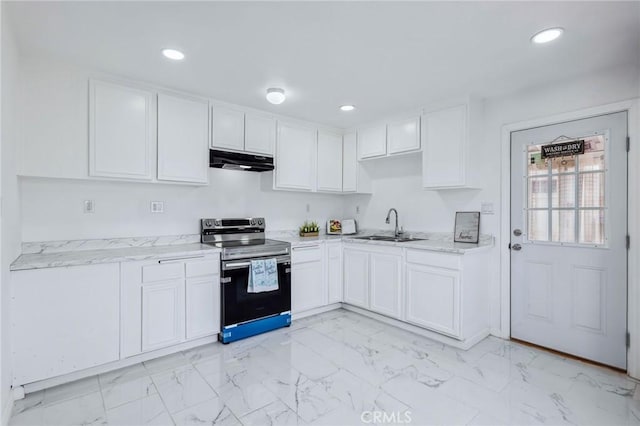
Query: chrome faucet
(387, 220)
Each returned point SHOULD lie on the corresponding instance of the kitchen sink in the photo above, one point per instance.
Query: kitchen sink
(389, 238)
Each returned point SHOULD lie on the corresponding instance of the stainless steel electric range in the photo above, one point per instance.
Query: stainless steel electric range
(245, 313)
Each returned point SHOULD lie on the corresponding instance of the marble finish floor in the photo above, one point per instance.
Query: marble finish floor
(341, 368)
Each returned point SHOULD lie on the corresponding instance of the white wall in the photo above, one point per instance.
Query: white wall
(53, 209)
(397, 182)
(10, 220)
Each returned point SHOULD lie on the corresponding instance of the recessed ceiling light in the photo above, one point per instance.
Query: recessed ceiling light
(545, 36)
(174, 54)
(275, 95)
(347, 107)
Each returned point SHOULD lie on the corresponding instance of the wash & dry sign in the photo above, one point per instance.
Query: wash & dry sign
(563, 149)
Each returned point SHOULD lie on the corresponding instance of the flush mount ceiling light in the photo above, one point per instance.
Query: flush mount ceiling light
(347, 107)
(275, 95)
(545, 36)
(173, 54)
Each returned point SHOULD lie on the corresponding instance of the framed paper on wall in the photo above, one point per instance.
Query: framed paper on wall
(467, 228)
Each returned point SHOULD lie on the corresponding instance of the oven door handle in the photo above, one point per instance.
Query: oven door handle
(237, 265)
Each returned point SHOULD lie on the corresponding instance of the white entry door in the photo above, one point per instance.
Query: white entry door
(568, 238)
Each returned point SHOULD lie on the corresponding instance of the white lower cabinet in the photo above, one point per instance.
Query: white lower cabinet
(373, 278)
(203, 307)
(308, 284)
(63, 320)
(356, 277)
(334, 271)
(433, 298)
(168, 302)
(447, 293)
(162, 314)
(386, 283)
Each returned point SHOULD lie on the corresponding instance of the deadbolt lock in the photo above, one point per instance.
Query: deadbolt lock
(517, 232)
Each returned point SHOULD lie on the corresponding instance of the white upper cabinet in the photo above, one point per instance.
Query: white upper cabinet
(349, 163)
(120, 131)
(183, 139)
(295, 157)
(228, 128)
(403, 136)
(355, 177)
(329, 162)
(446, 159)
(372, 142)
(259, 134)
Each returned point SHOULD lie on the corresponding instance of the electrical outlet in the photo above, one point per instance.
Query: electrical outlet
(308, 208)
(357, 209)
(89, 206)
(157, 207)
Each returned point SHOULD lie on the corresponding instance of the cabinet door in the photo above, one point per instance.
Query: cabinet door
(334, 272)
(356, 277)
(307, 286)
(295, 157)
(404, 136)
(433, 298)
(228, 129)
(162, 314)
(385, 284)
(120, 131)
(64, 320)
(444, 148)
(329, 162)
(372, 142)
(259, 134)
(203, 306)
(183, 139)
(349, 163)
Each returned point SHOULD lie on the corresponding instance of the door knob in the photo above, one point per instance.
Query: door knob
(517, 232)
(516, 247)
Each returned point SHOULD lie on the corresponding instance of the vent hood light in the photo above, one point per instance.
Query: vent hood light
(275, 95)
(242, 166)
(173, 54)
(545, 36)
(347, 107)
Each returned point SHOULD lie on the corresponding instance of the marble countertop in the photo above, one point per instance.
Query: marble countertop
(53, 254)
(433, 241)
(52, 259)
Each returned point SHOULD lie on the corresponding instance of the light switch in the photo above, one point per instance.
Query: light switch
(486, 207)
(89, 206)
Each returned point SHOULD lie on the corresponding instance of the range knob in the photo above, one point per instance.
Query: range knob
(207, 223)
(217, 222)
(253, 222)
(260, 222)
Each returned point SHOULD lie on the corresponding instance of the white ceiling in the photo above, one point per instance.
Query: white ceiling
(384, 57)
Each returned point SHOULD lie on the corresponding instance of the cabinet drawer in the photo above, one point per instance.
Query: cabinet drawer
(200, 268)
(162, 272)
(423, 257)
(306, 254)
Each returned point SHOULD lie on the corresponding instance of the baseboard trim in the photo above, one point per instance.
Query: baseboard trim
(499, 333)
(7, 408)
(77, 375)
(460, 344)
(316, 311)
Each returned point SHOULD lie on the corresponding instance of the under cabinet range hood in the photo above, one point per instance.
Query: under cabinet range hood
(239, 161)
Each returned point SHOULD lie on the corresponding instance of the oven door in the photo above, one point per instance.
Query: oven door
(238, 306)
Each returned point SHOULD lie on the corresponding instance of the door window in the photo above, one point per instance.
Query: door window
(566, 202)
